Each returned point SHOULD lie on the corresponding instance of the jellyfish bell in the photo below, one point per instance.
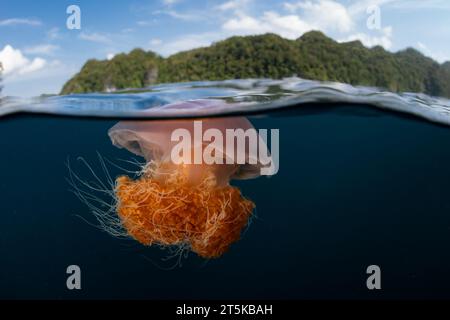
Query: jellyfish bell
(154, 140)
(189, 205)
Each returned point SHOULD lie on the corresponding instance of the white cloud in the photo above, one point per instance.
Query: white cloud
(421, 46)
(19, 21)
(155, 42)
(109, 56)
(438, 56)
(243, 24)
(53, 33)
(328, 16)
(302, 17)
(144, 23)
(233, 5)
(186, 42)
(181, 16)
(15, 63)
(323, 14)
(288, 26)
(45, 49)
(360, 7)
(95, 37)
(420, 4)
(170, 2)
(383, 39)
(45, 80)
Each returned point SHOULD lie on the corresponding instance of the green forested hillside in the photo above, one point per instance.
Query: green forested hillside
(133, 70)
(312, 56)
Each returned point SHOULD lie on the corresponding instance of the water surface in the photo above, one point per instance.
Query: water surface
(358, 185)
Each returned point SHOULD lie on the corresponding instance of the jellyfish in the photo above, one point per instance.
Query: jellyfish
(186, 205)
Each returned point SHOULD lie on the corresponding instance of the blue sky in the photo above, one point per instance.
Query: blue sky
(39, 53)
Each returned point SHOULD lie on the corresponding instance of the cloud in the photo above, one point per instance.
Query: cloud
(109, 56)
(360, 7)
(323, 14)
(186, 42)
(144, 23)
(328, 16)
(95, 37)
(155, 42)
(420, 4)
(53, 33)
(301, 17)
(421, 46)
(180, 16)
(288, 26)
(233, 5)
(170, 2)
(44, 49)
(15, 63)
(169, 10)
(291, 20)
(438, 56)
(384, 39)
(244, 24)
(45, 80)
(19, 21)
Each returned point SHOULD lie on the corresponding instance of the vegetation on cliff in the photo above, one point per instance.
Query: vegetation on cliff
(312, 56)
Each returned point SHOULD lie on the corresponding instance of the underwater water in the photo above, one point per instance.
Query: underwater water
(364, 178)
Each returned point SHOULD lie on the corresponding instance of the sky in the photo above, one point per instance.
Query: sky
(40, 53)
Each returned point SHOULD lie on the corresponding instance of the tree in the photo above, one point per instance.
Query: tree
(312, 56)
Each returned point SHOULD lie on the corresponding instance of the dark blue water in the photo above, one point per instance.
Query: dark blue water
(355, 188)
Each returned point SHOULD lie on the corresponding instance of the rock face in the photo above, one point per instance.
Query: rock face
(312, 56)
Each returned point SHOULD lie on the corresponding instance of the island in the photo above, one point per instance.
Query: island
(312, 56)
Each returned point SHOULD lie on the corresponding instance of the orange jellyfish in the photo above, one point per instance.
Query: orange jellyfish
(187, 205)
